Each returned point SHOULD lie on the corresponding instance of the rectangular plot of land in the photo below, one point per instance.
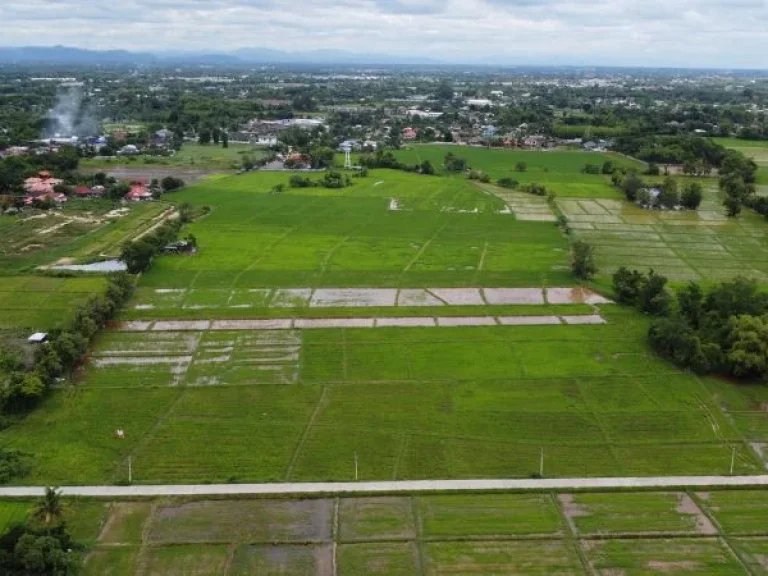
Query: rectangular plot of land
(352, 297)
(528, 320)
(242, 520)
(754, 551)
(255, 298)
(291, 297)
(274, 324)
(513, 295)
(405, 322)
(396, 559)
(304, 560)
(371, 518)
(466, 321)
(108, 561)
(134, 326)
(516, 557)
(668, 512)
(418, 298)
(593, 319)
(125, 523)
(738, 512)
(311, 323)
(488, 515)
(646, 556)
(178, 325)
(459, 296)
(198, 560)
(574, 296)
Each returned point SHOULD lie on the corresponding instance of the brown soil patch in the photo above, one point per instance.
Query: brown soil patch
(571, 509)
(672, 566)
(686, 505)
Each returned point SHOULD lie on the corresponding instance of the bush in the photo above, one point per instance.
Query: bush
(521, 166)
(591, 169)
(170, 183)
(297, 181)
(583, 260)
(507, 182)
(626, 285)
(535, 189)
(692, 196)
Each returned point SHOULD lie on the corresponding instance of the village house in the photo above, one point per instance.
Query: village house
(409, 133)
(535, 141)
(138, 192)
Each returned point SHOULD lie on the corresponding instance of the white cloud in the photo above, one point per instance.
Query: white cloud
(632, 32)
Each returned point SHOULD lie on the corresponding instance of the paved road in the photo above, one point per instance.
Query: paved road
(661, 482)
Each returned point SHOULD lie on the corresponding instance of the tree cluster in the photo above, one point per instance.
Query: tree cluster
(724, 330)
(42, 545)
(63, 350)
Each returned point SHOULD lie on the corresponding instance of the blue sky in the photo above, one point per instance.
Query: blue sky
(698, 33)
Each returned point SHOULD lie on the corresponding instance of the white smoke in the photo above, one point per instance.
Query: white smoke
(71, 116)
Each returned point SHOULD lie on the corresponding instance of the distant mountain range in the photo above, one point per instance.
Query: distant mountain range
(64, 55)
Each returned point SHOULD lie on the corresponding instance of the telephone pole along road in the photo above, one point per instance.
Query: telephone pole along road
(352, 488)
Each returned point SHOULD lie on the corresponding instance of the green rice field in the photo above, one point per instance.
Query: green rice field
(539, 533)
(34, 303)
(558, 170)
(411, 403)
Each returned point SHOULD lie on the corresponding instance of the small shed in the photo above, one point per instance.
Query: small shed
(37, 338)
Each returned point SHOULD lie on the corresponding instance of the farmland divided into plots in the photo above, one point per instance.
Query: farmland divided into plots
(718, 532)
(227, 366)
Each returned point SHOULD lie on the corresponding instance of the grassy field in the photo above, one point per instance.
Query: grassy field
(559, 170)
(31, 303)
(422, 534)
(191, 155)
(349, 237)
(412, 403)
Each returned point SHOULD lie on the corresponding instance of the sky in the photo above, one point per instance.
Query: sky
(674, 33)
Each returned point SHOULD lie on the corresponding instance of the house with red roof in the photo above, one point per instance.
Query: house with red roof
(138, 192)
(409, 133)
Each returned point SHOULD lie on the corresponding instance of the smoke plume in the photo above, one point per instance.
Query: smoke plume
(71, 116)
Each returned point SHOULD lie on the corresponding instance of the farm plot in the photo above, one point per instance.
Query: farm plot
(702, 245)
(152, 301)
(411, 403)
(635, 513)
(81, 230)
(34, 303)
(559, 170)
(252, 239)
(429, 534)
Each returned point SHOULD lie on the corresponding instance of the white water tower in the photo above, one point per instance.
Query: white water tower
(347, 149)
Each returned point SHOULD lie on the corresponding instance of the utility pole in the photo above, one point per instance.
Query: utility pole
(130, 471)
(356, 476)
(733, 459)
(541, 464)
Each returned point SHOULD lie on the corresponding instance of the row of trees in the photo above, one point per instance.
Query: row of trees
(27, 382)
(723, 330)
(138, 254)
(331, 179)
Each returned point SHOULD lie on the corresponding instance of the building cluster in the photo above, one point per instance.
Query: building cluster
(44, 188)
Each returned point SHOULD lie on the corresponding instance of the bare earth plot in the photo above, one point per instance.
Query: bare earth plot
(702, 245)
(150, 300)
(536, 533)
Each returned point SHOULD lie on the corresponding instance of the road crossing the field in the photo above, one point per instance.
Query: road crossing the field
(392, 487)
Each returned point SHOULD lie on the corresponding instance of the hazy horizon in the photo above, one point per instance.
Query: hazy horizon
(681, 34)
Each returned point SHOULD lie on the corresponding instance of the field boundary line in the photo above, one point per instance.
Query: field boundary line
(418, 534)
(571, 535)
(721, 534)
(305, 433)
(335, 535)
(423, 249)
